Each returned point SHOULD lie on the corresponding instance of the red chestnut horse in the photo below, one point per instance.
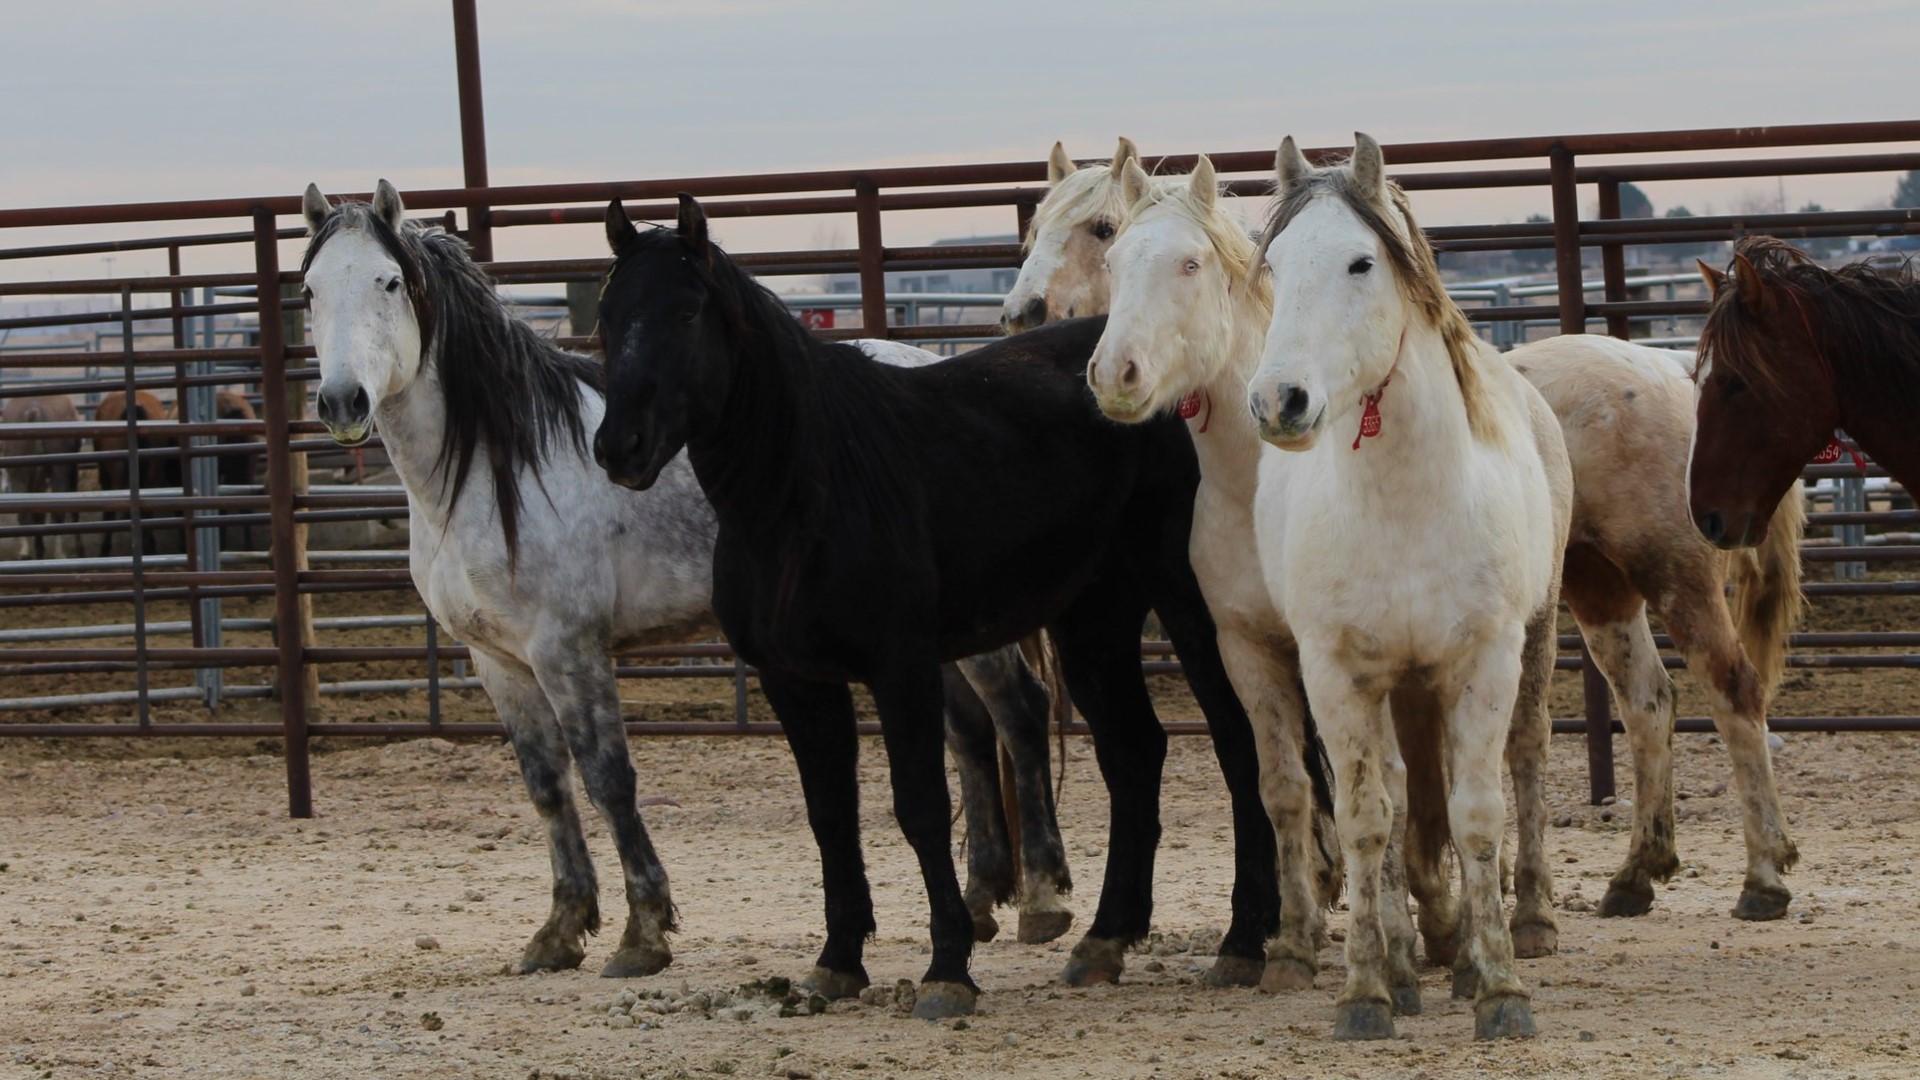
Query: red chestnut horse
(39, 479)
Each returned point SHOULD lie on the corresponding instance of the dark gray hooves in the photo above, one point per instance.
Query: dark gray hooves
(1235, 971)
(835, 985)
(1466, 983)
(1406, 1000)
(1761, 904)
(1040, 927)
(1533, 940)
(1286, 974)
(636, 962)
(985, 928)
(1509, 1016)
(1626, 900)
(1094, 961)
(1363, 1020)
(940, 1000)
(549, 954)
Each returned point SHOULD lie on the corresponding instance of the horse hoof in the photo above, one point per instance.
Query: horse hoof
(1626, 900)
(1509, 1016)
(549, 954)
(985, 928)
(1094, 961)
(1762, 904)
(1235, 971)
(1406, 1000)
(940, 1000)
(1466, 983)
(1531, 941)
(1286, 974)
(1040, 927)
(637, 961)
(1363, 1020)
(835, 985)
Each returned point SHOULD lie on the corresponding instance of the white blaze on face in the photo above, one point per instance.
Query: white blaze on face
(364, 327)
(1337, 320)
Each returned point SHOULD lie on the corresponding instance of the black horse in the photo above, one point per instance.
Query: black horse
(875, 521)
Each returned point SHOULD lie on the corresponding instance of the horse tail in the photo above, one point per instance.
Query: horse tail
(1043, 656)
(1332, 863)
(1767, 601)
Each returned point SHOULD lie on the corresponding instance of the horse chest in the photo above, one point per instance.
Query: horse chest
(463, 589)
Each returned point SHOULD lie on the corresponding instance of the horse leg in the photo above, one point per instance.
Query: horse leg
(578, 681)
(1354, 724)
(542, 754)
(908, 697)
(1099, 641)
(1020, 709)
(1266, 675)
(1483, 690)
(1703, 631)
(1396, 921)
(990, 873)
(1256, 886)
(1419, 725)
(1534, 930)
(819, 724)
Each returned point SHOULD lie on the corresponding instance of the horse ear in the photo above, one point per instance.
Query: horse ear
(315, 207)
(1290, 165)
(1059, 165)
(1122, 154)
(1134, 182)
(1369, 165)
(1753, 291)
(619, 226)
(1205, 183)
(693, 224)
(1715, 279)
(387, 204)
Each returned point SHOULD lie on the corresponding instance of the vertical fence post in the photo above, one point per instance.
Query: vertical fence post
(136, 535)
(289, 540)
(1613, 262)
(873, 259)
(1573, 320)
(473, 125)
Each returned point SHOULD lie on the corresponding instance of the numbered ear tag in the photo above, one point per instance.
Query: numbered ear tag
(1370, 414)
(1833, 451)
(1190, 406)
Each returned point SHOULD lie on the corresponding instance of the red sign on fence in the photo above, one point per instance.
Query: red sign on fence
(816, 318)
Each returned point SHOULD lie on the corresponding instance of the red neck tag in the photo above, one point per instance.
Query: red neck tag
(1190, 408)
(1370, 413)
(1833, 451)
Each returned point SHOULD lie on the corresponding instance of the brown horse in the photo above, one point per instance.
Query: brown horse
(40, 479)
(156, 472)
(1792, 351)
(235, 470)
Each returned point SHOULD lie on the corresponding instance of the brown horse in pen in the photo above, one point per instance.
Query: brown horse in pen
(155, 472)
(40, 479)
(235, 470)
(1791, 352)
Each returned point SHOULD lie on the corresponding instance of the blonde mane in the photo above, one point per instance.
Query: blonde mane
(1414, 267)
(1081, 196)
(1229, 238)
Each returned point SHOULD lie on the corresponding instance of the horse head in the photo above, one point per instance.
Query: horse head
(1065, 272)
(368, 307)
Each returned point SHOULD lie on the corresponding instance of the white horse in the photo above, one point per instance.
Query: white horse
(1626, 412)
(543, 567)
(1429, 555)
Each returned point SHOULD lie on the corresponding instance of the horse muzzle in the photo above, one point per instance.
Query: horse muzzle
(348, 414)
(1287, 416)
(1719, 529)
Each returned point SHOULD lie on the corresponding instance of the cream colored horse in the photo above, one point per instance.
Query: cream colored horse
(1427, 558)
(1626, 412)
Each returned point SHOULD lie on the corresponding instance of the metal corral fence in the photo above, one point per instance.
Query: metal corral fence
(271, 363)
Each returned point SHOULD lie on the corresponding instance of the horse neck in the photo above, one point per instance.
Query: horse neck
(413, 426)
(1229, 445)
(747, 453)
(1875, 394)
(1424, 434)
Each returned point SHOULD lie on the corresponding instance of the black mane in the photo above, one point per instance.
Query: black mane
(502, 384)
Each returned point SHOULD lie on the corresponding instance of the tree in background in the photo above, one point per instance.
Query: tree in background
(1534, 260)
(1634, 202)
(1907, 191)
(1823, 247)
(1685, 252)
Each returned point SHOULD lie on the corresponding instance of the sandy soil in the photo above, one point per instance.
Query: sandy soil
(163, 918)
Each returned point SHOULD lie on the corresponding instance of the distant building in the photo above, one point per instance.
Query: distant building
(941, 281)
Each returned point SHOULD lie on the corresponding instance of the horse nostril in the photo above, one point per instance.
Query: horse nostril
(630, 448)
(1294, 405)
(1130, 376)
(1711, 525)
(1034, 313)
(361, 406)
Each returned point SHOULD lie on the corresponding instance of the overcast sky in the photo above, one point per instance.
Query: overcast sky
(115, 101)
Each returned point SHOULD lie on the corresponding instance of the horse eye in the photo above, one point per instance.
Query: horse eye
(393, 285)
(1103, 230)
(1191, 266)
(1736, 385)
(1360, 265)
